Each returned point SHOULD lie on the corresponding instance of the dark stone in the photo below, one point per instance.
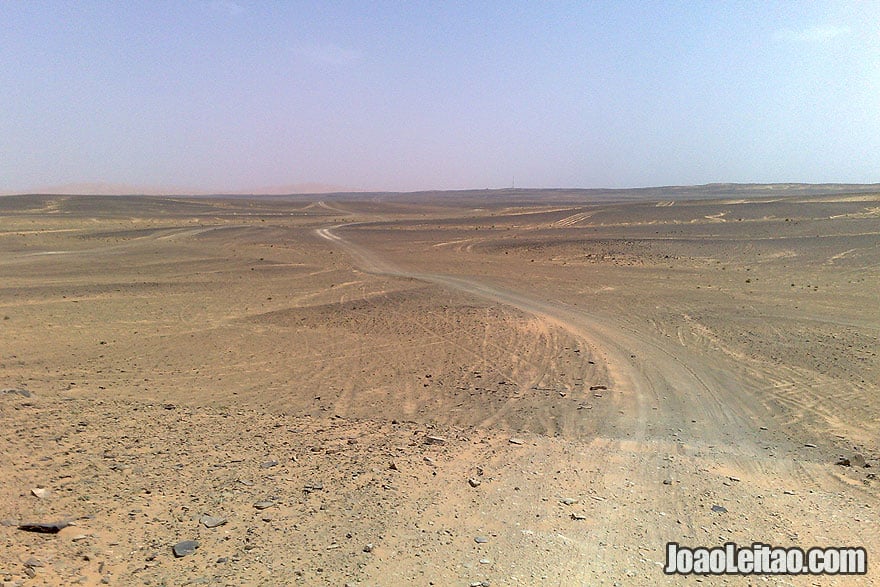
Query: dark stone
(719, 509)
(44, 527)
(184, 548)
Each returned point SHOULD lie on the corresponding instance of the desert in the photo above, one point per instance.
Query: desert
(488, 387)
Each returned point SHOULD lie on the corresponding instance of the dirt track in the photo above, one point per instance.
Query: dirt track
(653, 360)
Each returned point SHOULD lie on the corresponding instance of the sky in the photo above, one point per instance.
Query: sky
(210, 96)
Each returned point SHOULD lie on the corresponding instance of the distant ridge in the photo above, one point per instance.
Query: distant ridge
(566, 195)
(119, 189)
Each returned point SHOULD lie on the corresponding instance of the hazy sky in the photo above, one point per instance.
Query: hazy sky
(236, 95)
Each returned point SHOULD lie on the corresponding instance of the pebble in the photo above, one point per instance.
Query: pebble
(578, 516)
(481, 540)
(368, 547)
(212, 521)
(515, 441)
(435, 440)
(40, 492)
(474, 482)
(569, 501)
(268, 464)
(719, 509)
(184, 548)
(13, 391)
(261, 505)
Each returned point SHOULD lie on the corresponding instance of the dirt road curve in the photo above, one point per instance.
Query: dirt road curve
(681, 420)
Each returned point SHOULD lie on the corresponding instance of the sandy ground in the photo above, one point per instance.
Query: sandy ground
(339, 382)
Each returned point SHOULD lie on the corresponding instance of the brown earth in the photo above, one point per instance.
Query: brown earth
(362, 363)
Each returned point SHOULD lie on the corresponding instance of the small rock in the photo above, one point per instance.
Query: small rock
(212, 521)
(44, 527)
(435, 440)
(597, 387)
(810, 445)
(13, 391)
(485, 561)
(858, 460)
(40, 492)
(368, 547)
(33, 562)
(268, 464)
(667, 482)
(473, 482)
(844, 462)
(30, 572)
(569, 501)
(719, 509)
(184, 548)
(262, 505)
(310, 487)
(515, 441)
(393, 466)
(481, 540)
(578, 516)
(79, 537)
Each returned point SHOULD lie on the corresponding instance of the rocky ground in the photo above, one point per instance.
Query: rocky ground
(444, 391)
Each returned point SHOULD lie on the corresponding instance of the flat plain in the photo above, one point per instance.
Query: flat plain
(512, 387)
